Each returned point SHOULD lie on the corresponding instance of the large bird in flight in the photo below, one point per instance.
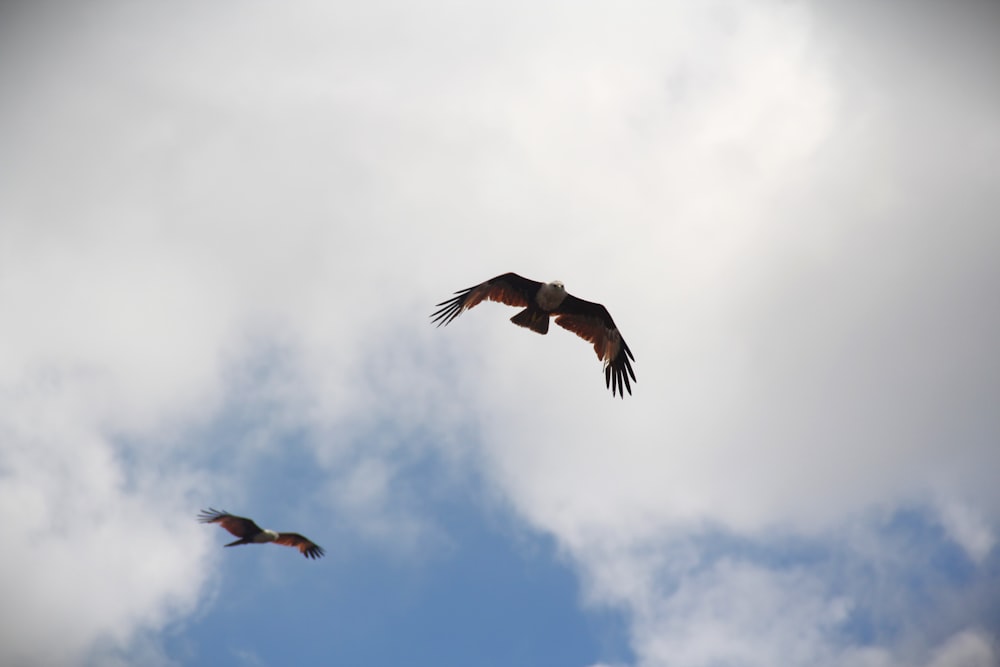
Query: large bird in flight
(250, 533)
(590, 321)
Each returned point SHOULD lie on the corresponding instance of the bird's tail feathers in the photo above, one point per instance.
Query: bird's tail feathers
(534, 319)
(238, 542)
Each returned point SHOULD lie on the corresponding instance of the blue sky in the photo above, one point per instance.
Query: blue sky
(496, 595)
(487, 589)
(223, 228)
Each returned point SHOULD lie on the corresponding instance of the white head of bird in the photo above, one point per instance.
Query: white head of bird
(550, 295)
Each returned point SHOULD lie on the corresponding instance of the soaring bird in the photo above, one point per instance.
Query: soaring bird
(590, 321)
(250, 533)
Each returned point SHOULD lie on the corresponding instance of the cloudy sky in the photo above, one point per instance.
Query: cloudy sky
(223, 226)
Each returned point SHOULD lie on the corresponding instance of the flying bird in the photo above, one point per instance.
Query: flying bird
(250, 533)
(590, 321)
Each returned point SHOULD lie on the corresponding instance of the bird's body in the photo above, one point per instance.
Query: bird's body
(263, 537)
(250, 533)
(542, 301)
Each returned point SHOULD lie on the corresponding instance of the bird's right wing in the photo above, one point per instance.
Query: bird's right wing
(237, 525)
(509, 288)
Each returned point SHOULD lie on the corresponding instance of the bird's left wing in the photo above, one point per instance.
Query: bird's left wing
(592, 322)
(306, 547)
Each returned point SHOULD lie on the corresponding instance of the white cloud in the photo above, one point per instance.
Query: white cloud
(721, 616)
(970, 648)
(970, 529)
(91, 555)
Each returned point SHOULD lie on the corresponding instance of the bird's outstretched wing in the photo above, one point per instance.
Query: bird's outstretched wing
(306, 547)
(237, 525)
(592, 322)
(509, 288)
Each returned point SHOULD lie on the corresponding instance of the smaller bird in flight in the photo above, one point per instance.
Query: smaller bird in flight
(250, 533)
(540, 301)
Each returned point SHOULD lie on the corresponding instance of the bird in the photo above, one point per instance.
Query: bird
(540, 301)
(250, 533)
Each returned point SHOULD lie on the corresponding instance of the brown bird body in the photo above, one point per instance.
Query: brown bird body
(250, 533)
(541, 301)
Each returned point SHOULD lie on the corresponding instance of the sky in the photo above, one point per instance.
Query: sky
(223, 228)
